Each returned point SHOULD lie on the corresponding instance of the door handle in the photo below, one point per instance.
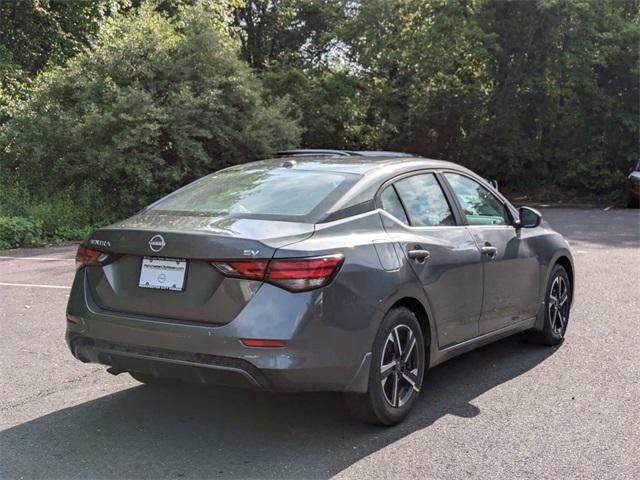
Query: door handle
(418, 254)
(489, 251)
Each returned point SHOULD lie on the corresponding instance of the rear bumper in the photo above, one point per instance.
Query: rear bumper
(317, 356)
(162, 363)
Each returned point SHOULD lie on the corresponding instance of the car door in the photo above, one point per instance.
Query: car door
(440, 250)
(510, 267)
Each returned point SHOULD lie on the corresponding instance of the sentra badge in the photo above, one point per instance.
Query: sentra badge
(100, 243)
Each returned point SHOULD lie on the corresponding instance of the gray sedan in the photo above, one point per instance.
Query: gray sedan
(319, 272)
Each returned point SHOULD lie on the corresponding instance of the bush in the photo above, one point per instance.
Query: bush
(18, 231)
(152, 104)
(25, 221)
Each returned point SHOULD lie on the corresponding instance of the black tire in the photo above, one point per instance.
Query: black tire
(557, 309)
(149, 379)
(399, 326)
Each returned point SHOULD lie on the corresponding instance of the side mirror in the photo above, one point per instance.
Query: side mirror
(529, 217)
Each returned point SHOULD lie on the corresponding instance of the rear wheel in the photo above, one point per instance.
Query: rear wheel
(396, 372)
(557, 308)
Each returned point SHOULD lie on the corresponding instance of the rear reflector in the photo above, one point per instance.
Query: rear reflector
(72, 319)
(87, 257)
(252, 342)
(296, 275)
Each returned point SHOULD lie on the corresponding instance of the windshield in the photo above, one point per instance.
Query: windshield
(299, 195)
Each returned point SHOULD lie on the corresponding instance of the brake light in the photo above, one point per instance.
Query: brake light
(296, 275)
(88, 257)
(303, 274)
(251, 269)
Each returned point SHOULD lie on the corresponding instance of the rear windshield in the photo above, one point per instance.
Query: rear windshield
(299, 195)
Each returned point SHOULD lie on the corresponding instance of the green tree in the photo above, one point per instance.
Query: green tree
(38, 33)
(545, 89)
(564, 102)
(153, 103)
(293, 33)
(425, 64)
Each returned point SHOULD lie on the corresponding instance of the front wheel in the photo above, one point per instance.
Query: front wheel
(396, 373)
(557, 308)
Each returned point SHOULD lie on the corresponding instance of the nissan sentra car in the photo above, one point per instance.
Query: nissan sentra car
(323, 272)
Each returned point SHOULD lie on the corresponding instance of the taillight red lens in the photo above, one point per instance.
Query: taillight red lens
(296, 275)
(303, 274)
(87, 256)
(291, 269)
(250, 269)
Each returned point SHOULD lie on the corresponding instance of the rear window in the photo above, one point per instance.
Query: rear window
(300, 195)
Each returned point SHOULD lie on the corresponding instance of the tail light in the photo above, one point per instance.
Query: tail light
(88, 257)
(253, 269)
(303, 274)
(295, 275)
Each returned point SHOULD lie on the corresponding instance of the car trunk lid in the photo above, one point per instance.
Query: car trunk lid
(207, 295)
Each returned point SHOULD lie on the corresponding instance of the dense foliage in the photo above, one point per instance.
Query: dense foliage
(108, 104)
(541, 94)
(154, 103)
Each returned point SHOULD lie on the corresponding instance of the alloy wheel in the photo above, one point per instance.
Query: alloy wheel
(399, 366)
(558, 304)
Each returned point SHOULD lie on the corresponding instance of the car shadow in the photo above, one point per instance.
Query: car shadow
(191, 432)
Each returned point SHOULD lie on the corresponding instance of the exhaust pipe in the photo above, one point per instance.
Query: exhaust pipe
(113, 370)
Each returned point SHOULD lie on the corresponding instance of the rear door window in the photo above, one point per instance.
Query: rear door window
(424, 201)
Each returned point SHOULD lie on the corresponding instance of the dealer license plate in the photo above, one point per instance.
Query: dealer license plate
(163, 273)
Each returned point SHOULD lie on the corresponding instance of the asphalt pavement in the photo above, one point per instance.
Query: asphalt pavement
(508, 410)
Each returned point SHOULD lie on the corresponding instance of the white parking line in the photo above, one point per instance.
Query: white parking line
(31, 285)
(48, 259)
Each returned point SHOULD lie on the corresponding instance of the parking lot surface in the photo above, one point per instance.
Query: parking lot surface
(508, 410)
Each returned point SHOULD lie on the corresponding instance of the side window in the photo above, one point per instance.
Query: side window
(479, 205)
(391, 204)
(424, 200)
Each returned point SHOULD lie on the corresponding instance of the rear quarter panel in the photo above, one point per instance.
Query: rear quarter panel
(373, 276)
